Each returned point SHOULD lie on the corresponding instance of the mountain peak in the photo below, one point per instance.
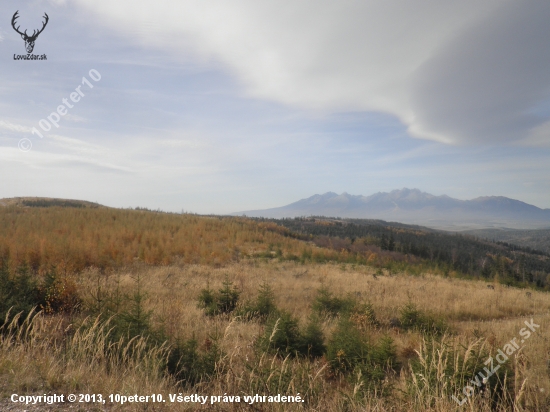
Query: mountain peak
(417, 207)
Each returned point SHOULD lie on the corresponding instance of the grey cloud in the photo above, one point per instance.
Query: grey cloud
(454, 72)
(484, 84)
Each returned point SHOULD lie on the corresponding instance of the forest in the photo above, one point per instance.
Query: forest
(473, 256)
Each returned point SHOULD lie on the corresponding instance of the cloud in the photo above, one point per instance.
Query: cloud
(47, 160)
(12, 127)
(182, 144)
(454, 72)
(74, 118)
(76, 145)
(490, 82)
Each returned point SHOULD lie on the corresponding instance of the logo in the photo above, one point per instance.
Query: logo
(29, 40)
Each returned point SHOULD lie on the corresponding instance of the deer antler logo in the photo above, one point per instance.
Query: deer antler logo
(29, 40)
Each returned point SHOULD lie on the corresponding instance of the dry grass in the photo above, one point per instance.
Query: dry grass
(472, 310)
(176, 256)
(173, 290)
(45, 355)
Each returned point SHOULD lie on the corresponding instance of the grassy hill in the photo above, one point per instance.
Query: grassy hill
(47, 202)
(139, 302)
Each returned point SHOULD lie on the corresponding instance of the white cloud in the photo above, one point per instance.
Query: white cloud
(182, 144)
(539, 136)
(75, 145)
(12, 127)
(453, 72)
(75, 118)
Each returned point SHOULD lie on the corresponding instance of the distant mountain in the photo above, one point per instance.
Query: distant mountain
(416, 207)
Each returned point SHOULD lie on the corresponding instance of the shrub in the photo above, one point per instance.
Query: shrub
(58, 294)
(19, 293)
(207, 301)
(414, 319)
(263, 307)
(189, 366)
(265, 302)
(328, 305)
(346, 349)
(223, 302)
(136, 321)
(228, 297)
(283, 336)
(312, 339)
(350, 354)
(363, 316)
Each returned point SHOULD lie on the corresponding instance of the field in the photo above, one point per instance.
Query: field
(184, 304)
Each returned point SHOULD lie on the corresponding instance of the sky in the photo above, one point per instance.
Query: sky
(221, 106)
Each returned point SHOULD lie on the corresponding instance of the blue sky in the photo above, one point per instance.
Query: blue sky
(222, 106)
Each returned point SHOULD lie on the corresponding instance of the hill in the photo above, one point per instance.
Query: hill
(347, 314)
(74, 236)
(416, 207)
(538, 239)
(47, 202)
(470, 255)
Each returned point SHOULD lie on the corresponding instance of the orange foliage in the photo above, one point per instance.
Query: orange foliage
(76, 238)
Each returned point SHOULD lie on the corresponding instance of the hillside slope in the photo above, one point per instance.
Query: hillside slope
(47, 202)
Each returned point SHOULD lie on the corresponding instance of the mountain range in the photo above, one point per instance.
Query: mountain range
(413, 206)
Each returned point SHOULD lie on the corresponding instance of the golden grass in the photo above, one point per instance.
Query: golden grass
(472, 310)
(46, 356)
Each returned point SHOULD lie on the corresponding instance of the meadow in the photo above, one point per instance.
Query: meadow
(140, 302)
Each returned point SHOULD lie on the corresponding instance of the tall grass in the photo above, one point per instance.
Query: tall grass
(47, 354)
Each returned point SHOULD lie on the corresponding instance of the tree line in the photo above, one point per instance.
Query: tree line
(509, 263)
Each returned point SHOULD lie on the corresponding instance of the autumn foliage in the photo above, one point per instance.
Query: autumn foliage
(75, 238)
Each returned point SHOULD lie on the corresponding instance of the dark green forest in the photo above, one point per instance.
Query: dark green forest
(508, 263)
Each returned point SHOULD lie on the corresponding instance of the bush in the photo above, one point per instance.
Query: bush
(363, 316)
(328, 305)
(346, 349)
(263, 307)
(18, 293)
(207, 301)
(58, 294)
(350, 354)
(189, 366)
(312, 339)
(283, 336)
(228, 297)
(135, 320)
(414, 319)
(223, 302)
